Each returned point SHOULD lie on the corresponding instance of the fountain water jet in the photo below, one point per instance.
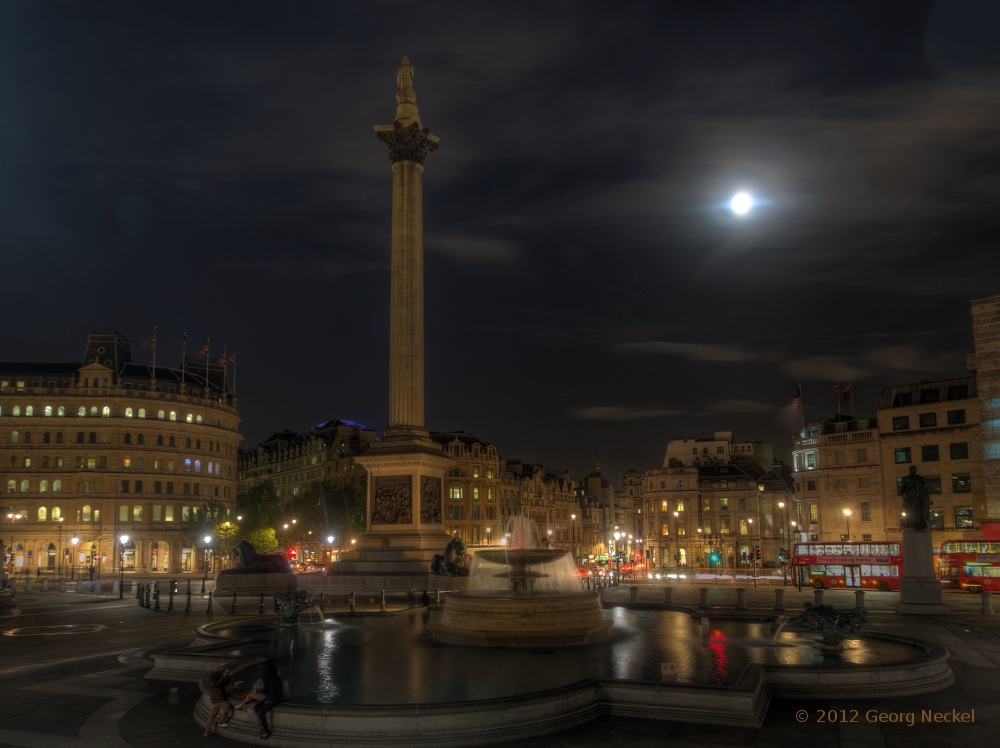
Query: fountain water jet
(523, 595)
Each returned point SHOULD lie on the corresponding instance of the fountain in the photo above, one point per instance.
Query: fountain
(522, 595)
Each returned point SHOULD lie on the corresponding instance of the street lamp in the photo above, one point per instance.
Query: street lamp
(618, 560)
(753, 552)
(121, 566)
(329, 542)
(12, 517)
(677, 543)
(59, 559)
(72, 566)
(488, 535)
(207, 539)
(784, 541)
(847, 515)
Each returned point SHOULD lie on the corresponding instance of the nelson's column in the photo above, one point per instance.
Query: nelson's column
(406, 468)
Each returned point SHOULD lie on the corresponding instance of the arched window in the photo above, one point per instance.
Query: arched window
(141, 439)
(170, 441)
(58, 462)
(82, 411)
(187, 465)
(43, 487)
(86, 512)
(173, 415)
(187, 443)
(11, 486)
(142, 412)
(198, 444)
(29, 410)
(56, 511)
(161, 414)
(59, 437)
(48, 410)
(26, 462)
(210, 468)
(127, 439)
(62, 410)
(27, 437)
(16, 411)
(190, 418)
(92, 437)
(45, 461)
(128, 412)
(106, 411)
(25, 486)
(170, 464)
(197, 466)
(93, 411)
(159, 440)
(198, 418)
(14, 437)
(46, 438)
(43, 514)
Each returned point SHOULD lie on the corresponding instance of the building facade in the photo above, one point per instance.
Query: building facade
(837, 467)
(108, 446)
(472, 488)
(293, 462)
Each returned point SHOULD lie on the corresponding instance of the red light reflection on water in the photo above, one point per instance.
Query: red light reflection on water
(719, 650)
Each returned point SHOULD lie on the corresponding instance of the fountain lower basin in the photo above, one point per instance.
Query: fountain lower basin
(527, 620)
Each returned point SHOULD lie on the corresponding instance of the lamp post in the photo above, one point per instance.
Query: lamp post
(677, 543)
(489, 530)
(12, 517)
(618, 562)
(121, 566)
(72, 557)
(204, 578)
(847, 515)
(59, 558)
(753, 552)
(784, 542)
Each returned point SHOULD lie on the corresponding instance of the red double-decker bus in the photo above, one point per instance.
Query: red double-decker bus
(972, 565)
(876, 566)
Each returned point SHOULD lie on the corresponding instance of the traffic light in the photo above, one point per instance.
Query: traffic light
(781, 554)
(758, 552)
(714, 558)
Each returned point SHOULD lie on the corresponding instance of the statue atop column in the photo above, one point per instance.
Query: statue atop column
(916, 501)
(404, 83)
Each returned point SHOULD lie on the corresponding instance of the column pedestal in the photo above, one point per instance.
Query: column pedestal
(919, 589)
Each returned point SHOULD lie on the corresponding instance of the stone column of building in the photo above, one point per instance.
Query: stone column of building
(986, 333)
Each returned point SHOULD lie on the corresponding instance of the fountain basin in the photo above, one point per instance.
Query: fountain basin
(522, 620)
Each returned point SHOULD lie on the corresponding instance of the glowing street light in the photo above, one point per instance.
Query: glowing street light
(72, 567)
(847, 515)
(121, 566)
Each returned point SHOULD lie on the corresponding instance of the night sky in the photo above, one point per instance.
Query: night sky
(213, 169)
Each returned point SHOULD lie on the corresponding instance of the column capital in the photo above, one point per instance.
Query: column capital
(407, 142)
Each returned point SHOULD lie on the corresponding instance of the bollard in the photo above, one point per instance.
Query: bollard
(27, 585)
(203, 585)
(859, 599)
(987, 603)
(209, 611)
(818, 595)
(633, 594)
(352, 601)
(45, 585)
(704, 597)
(260, 610)
(189, 585)
(437, 596)
(138, 591)
(170, 600)
(149, 596)
(156, 596)
(381, 607)
(62, 585)
(779, 599)
(741, 599)
(412, 598)
(187, 604)
(668, 595)
(232, 611)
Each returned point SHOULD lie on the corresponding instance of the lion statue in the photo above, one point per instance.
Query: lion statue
(248, 561)
(454, 562)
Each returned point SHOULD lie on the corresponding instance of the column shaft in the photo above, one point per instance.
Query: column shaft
(406, 325)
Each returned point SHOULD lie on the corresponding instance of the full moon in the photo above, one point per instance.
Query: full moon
(741, 203)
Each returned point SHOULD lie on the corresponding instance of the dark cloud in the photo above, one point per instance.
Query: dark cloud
(213, 168)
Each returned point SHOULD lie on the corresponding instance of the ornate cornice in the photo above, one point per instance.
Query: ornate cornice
(408, 143)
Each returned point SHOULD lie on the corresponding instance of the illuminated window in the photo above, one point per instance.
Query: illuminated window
(814, 513)
(197, 466)
(198, 418)
(56, 487)
(680, 506)
(86, 512)
(43, 486)
(161, 414)
(723, 503)
(43, 514)
(106, 411)
(187, 465)
(30, 411)
(142, 412)
(16, 411)
(170, 464)
(25, 485)
(48, 410)
(62, 410)
(14, 437)
(93, 410)
(127, 463)
(128, 412)
(173, 415)
(475, 496)
(456, 492)
(190, 418)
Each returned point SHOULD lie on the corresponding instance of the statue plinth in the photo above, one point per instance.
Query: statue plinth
(919, 589)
